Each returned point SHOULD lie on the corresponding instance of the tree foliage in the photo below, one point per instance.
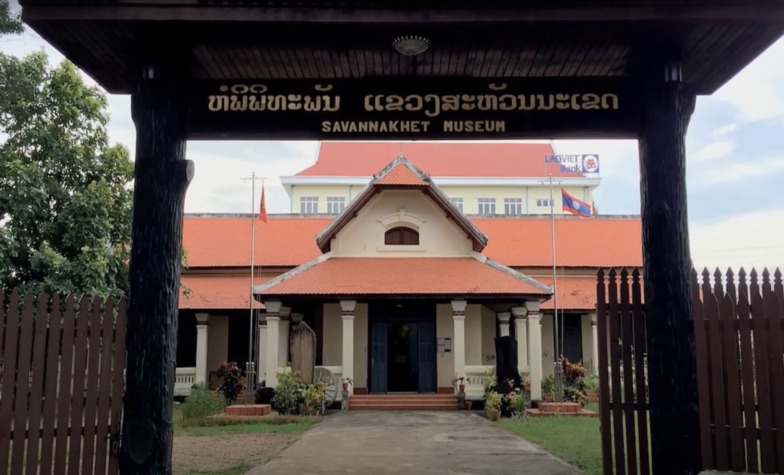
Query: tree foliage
(9, 20)
(65, 204)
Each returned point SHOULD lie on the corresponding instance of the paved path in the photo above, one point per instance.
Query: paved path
(370, 442)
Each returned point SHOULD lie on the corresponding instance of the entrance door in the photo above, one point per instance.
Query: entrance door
(403, 354)
(427, 358)
(378, 358)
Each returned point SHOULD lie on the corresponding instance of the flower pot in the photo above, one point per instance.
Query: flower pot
(493, 414)
(527, 386)
(468, 405)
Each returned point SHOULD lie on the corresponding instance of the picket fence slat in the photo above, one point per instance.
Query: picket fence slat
(105, 379)
(734, 409)
(118, 381)
(37, 380)
(91, 391)
(716, 374)
(703, 381)
(760, 343)
(626, 358)
(9, 377)
(51, 388)
(22, 394)
(615, 364)
(64, 406)
(639, 369)
(77, 394)
(775, 366)
(604, 384)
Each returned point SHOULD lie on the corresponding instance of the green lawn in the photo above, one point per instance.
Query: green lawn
(573, 439)
(215, 427)
(235, 470)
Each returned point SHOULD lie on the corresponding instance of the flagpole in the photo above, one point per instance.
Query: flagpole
(250, 370)
(555, 285)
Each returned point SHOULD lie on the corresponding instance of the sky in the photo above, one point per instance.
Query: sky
(735, 165)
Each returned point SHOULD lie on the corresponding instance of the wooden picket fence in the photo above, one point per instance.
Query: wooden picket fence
(61, 384)
(739, 340)
(623, 392)
(739, 336)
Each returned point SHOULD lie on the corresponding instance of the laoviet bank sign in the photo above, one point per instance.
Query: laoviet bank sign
(584, 163)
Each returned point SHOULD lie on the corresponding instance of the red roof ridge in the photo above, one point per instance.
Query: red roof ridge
(323, 239)
(514, 273)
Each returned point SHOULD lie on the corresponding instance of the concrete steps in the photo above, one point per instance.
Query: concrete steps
(403, 402)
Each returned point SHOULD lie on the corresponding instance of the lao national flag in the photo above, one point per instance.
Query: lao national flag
(575, 206)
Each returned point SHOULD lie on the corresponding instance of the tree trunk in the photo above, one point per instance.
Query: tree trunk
(161, 179)
(674, 412)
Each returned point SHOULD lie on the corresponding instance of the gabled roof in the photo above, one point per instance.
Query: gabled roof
(368, 276)
(400, 174)
(217, 292)
(441, 159)
(517, 241)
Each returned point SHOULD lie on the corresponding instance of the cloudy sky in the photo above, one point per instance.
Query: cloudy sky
(735, 170)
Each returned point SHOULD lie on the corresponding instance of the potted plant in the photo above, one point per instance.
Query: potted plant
(548, 388)
(493, 406)
(461, 384)
(468, 404)
(526, 379)
(460, 393)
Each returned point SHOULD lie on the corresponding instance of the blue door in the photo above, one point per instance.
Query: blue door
(427, 358)
(378, 358)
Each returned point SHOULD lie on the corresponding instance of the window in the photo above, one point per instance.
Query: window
(486, 205)
(401, 236)
(544, 203)
(513, 205)
(308, 205)
(457, 203)
(335, 204)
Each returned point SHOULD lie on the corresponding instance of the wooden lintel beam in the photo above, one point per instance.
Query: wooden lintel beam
(189, 10)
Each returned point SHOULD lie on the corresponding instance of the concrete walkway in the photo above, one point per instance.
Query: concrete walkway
(447, 442)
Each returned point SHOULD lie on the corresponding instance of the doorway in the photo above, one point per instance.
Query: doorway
(402, 352)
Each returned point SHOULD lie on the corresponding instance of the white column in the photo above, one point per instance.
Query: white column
(594, 346)
(535, 348)
(458, 340)
(503, 323)
(202, 320)
(347, 307)
(522, 339)
(273, 335)
(283, 337)
(262, 350)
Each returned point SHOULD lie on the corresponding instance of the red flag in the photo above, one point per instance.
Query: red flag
(263, 207)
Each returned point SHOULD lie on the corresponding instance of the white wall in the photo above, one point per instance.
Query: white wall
(217, 341)
(488, 336)
(473, 337)
(331, 349)
(364, 235)
(548, 344)
(587, 342)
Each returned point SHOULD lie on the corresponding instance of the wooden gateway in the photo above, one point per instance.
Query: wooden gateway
(218, 69)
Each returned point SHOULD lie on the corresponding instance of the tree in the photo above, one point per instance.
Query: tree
(9, 21)
(65, 206)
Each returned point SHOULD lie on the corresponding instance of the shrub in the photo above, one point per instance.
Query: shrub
(233, 383)
(264, 395)
(288, 392)
(517, 403)
(493, 400)
(314, 397)
(592, 382)
(201, 403)
(574, 382)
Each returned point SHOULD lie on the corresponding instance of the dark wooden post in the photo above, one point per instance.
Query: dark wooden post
(675, 433)
(161, 178)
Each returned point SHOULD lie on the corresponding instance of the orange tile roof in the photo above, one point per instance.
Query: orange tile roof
(401, 175)
(443, 159)
(211, 292)
(574, 293)
(403, 276)
(519, 242)
(225, 241)
(579, 242)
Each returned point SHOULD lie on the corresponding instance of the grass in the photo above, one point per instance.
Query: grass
(235, 470)
(213, 426)
(573, 439)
